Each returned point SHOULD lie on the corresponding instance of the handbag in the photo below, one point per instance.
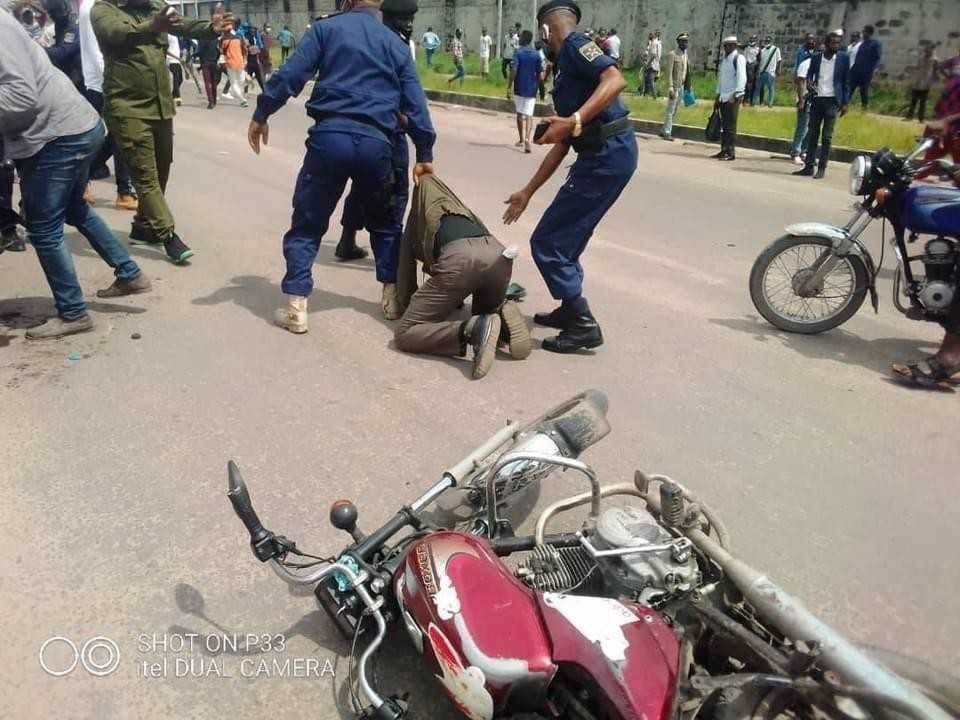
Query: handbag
(689, 98)
(714, 126)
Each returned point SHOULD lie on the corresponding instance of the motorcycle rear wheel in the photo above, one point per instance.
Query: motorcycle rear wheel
(777, 273)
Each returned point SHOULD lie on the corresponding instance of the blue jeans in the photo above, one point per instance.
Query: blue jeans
(52, 184)
(429, 53)
(673, 105)
(766, 84)
(333, 158)
(800, 134)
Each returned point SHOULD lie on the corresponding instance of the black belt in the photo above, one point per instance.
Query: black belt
(595, 134)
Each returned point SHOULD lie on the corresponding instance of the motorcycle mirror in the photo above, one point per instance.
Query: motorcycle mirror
(343, 516)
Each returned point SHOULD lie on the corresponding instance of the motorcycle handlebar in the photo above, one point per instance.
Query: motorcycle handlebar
(261, 539)
(462, 469)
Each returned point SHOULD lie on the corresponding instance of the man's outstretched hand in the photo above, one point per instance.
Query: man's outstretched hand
(517, 204)
(421, 169)
(167, 20)
(219, 23)
(257, 132)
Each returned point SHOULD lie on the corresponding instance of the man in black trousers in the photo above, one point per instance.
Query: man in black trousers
(828, 77)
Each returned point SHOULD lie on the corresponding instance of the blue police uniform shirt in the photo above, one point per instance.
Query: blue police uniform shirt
(527, 66)
(580, 63)
(364, 77)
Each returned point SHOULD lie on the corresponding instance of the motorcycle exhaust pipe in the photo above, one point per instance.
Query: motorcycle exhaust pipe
(794, 620)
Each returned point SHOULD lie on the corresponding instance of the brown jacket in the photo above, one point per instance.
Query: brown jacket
(432, 199)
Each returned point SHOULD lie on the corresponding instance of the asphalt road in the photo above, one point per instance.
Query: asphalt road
(115, 524)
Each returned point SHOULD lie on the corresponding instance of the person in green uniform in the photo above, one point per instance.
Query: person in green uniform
(138, 103)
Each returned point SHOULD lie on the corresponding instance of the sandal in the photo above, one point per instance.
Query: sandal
(928, 373)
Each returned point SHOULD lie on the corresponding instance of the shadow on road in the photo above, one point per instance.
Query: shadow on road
(28, 312)
(836, 345)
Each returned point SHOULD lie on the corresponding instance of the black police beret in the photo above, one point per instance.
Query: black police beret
(399, 7)
(558, 5)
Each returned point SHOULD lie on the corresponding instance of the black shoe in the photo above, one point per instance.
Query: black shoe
(583, 334)
(821, 173)
(483, 339)
(12, 240)
(347, 249)
(100, 173)
(177, 251)
(559, 319)
(719, 156)
(805, 172)
(727, 158)
(210, 106)
(140, 234)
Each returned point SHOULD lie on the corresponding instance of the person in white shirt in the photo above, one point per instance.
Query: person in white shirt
(768, 68)
(854, 46)
(803, 113)
(173, 64)
(652, 71)
(511, 43)
(752, 54)
(91, 61)
(613, 46)
(731, 87)
(486, 43)
(829, 76)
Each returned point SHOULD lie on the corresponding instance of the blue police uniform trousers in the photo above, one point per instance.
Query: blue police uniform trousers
(595, 182)
(387, 252)
(333, 158)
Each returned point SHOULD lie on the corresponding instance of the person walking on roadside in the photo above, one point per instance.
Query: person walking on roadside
(525, 76)
(431, 43)
(921, 78)
(456, 52)
(461, 259)
(175, 68)
(511, 43)
(208, 52)
(288, 42)
(92, 63)
(828, 77)
(731, 87)
(652, 70)
(678, 76)
(486, 46)
(253, 70)
(53, 135)
(593, 119)
(752, 55)
(804, 100)
(235, 57)
(352, 138)
(767, 71)
(266, 51)
(139, 106)
(863, 68)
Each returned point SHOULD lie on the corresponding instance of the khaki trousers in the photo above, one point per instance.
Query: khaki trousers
(472, 266)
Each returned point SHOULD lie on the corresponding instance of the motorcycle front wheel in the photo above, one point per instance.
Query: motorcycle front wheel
(777, 282)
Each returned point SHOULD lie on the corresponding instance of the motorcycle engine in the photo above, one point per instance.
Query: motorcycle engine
(646, 576)
(938, 290)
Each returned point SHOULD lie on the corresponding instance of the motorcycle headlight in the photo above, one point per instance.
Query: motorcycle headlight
(859, 173)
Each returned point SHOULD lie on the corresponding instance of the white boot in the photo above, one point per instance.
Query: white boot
(391, 302)
(293, 315)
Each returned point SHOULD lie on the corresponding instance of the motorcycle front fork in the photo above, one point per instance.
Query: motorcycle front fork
(828, 261)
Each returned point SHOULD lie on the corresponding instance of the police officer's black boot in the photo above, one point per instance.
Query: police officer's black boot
(582, 331)
(558, 319)
(347, 249)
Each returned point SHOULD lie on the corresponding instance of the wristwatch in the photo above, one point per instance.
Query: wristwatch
(578, 127)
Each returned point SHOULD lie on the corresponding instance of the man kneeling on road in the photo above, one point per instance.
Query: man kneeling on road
(462, 259)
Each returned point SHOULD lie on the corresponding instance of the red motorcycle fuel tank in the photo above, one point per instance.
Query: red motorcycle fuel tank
(464, 609)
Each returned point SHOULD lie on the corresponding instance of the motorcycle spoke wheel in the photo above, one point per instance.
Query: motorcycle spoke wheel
(786, 272)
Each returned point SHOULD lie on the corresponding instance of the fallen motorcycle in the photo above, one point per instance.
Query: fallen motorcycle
(817, 276)
(645, 612)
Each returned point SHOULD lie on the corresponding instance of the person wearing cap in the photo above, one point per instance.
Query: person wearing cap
(678, 76)
(592, 118)
(364, 79)
(731, 87)
(828, 78)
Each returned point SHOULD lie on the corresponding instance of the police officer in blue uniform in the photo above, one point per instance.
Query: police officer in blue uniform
(593, 120)
(398, 15)
(365, 77)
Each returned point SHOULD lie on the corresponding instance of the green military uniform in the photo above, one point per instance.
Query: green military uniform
(138, 103)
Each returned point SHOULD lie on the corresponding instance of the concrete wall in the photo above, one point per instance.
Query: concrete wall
(901, 24)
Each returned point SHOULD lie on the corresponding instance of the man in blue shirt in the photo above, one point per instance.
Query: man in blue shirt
(592, 119)
(526, 72)
(865, 65)
(365, 77)
(287, 42)
(430, 42)
(806, 51)
(828, 79)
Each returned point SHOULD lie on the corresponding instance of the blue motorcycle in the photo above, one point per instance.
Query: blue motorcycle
(817, 276)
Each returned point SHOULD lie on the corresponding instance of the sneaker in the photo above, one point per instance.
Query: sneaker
(293, 315)
(805, 172)
(143, 235)
(390, 302)
(483, 332)
(514, 332)
(210, 106)
(798, 160)
(178, 102)
(127, 202)
(244, 103)
(58, 327)
(135, 286)
(13, 240)
(177, 250)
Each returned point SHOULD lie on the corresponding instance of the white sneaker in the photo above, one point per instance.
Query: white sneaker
(798, 160)
(391, 302)
(293, 316)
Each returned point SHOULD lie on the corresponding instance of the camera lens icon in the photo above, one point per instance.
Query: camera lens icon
(99, 656)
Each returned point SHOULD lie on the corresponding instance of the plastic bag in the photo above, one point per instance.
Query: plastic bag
(689, 98)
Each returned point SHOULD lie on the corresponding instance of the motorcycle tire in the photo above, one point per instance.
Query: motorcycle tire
(861, 283)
